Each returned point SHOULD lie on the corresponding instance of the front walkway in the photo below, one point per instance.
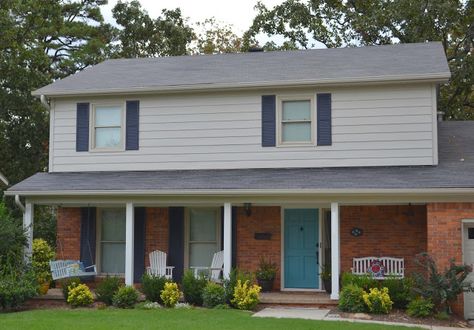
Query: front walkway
(320, 299)
(323, 315)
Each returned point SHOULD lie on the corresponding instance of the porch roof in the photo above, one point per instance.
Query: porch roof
(455, 171)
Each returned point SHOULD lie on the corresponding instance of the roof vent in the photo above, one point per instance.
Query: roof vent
(255, 49)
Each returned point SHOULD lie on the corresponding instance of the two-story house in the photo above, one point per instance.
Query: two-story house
(310, 158)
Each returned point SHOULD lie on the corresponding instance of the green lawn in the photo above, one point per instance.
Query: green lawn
(163, 319)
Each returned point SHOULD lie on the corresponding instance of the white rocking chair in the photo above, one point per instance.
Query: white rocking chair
(70, 268)
(213, 272)
(158, 265)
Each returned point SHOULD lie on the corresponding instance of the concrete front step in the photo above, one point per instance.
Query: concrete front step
(297, 298)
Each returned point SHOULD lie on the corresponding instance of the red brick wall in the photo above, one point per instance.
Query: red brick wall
(157, 223)
(249, 250)
(68, 233)
(388, 231)
(444, 235)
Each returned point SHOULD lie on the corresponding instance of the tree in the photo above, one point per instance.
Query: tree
(374, 22)
(142, 36)
(216, 38)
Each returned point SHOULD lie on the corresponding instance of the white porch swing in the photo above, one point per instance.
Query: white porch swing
(61, 269)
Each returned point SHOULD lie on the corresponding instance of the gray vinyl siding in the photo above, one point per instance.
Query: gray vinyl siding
(371, 126)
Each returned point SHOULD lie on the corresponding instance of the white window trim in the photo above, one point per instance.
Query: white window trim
(98, 238)
(279, 129)
(92, 127)
(187, 232)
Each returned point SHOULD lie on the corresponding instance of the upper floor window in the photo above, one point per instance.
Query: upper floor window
(296, 120)
(108, 127)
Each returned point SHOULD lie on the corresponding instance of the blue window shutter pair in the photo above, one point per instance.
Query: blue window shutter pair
(324, 131)
(131, 129)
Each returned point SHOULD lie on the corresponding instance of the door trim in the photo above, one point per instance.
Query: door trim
(465, 223)
(282, 235)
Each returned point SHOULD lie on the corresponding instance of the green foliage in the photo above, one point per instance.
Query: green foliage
(45, 224)
(442, 288)
(170, 294)
(193, 288)
(231, 282)
(16, 286)
(125, 297)
(79, 295)
(351, 300)
(12, 240)
(246, 295)
(365, 282)
(42, 254)
(420, 307)
(266, 270)
(106, 289)
(378, 301)
(214, 37)
(213, 295)
(442, 316)
(67, 283)
(400, 290)
(152, 286)
(303, 24)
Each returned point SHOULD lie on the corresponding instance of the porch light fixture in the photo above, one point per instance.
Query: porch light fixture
(248, 209)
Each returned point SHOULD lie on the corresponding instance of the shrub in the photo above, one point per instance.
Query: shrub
(125, 297)
(16, 287)
(12, 240)
(152, 286)
(365, 282)
(420, 307)
(400, 290)
(42, 254)
(441, 288)
(213, 295)
(68, 283)
(266, 270)
(351, 300)
(170, 294)
(193, 288)
(80, 295)
(378, 301)
(106, 289)
(246, 296)
(442, 316)
(231, 282)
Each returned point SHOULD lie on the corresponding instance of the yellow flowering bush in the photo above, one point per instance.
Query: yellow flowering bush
(170, 294)
(80, 295)
(42, 254)
(246, 296)
(378, 301)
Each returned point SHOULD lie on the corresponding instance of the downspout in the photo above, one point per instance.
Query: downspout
(19, 203)
(44, 101)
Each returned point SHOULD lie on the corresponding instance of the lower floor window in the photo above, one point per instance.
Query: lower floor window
(203, 238)
(112, 240)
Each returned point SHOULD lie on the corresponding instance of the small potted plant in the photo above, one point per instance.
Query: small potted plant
(326, 277)
(266, 274)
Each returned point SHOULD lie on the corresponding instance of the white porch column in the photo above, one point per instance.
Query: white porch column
(227, 239)
(335, 251)
(129, 237)
(28, 216)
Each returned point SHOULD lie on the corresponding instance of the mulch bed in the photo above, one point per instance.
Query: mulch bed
(400, 316)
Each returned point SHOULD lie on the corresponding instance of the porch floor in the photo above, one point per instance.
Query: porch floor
(297, 298)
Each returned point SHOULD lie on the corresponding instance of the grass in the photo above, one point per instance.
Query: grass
(207, 319)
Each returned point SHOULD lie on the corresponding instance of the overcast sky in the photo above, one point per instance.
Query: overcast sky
(239, 13)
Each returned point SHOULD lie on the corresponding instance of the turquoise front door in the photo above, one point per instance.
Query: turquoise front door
(301, 252)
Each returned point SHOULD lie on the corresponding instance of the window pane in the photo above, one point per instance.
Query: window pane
(108, 137)
(108, 116)
(113, 225)
(296, 132)
(112, 258)
(200, 254)
(203, 224)
(297, 110)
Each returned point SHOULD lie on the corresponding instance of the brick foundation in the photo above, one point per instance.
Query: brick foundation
(388, 231)
(445, 235)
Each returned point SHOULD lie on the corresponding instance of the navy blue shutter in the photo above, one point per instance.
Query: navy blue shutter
(82, 127)
(132, 125)
(324, 129)
(268, 120)
(88, 236)
(176, 241)
(139, 244)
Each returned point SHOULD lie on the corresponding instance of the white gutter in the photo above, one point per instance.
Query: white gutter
(19, 204)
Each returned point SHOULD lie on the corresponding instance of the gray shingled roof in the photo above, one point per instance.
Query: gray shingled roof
(318, 66)
(455, 170)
